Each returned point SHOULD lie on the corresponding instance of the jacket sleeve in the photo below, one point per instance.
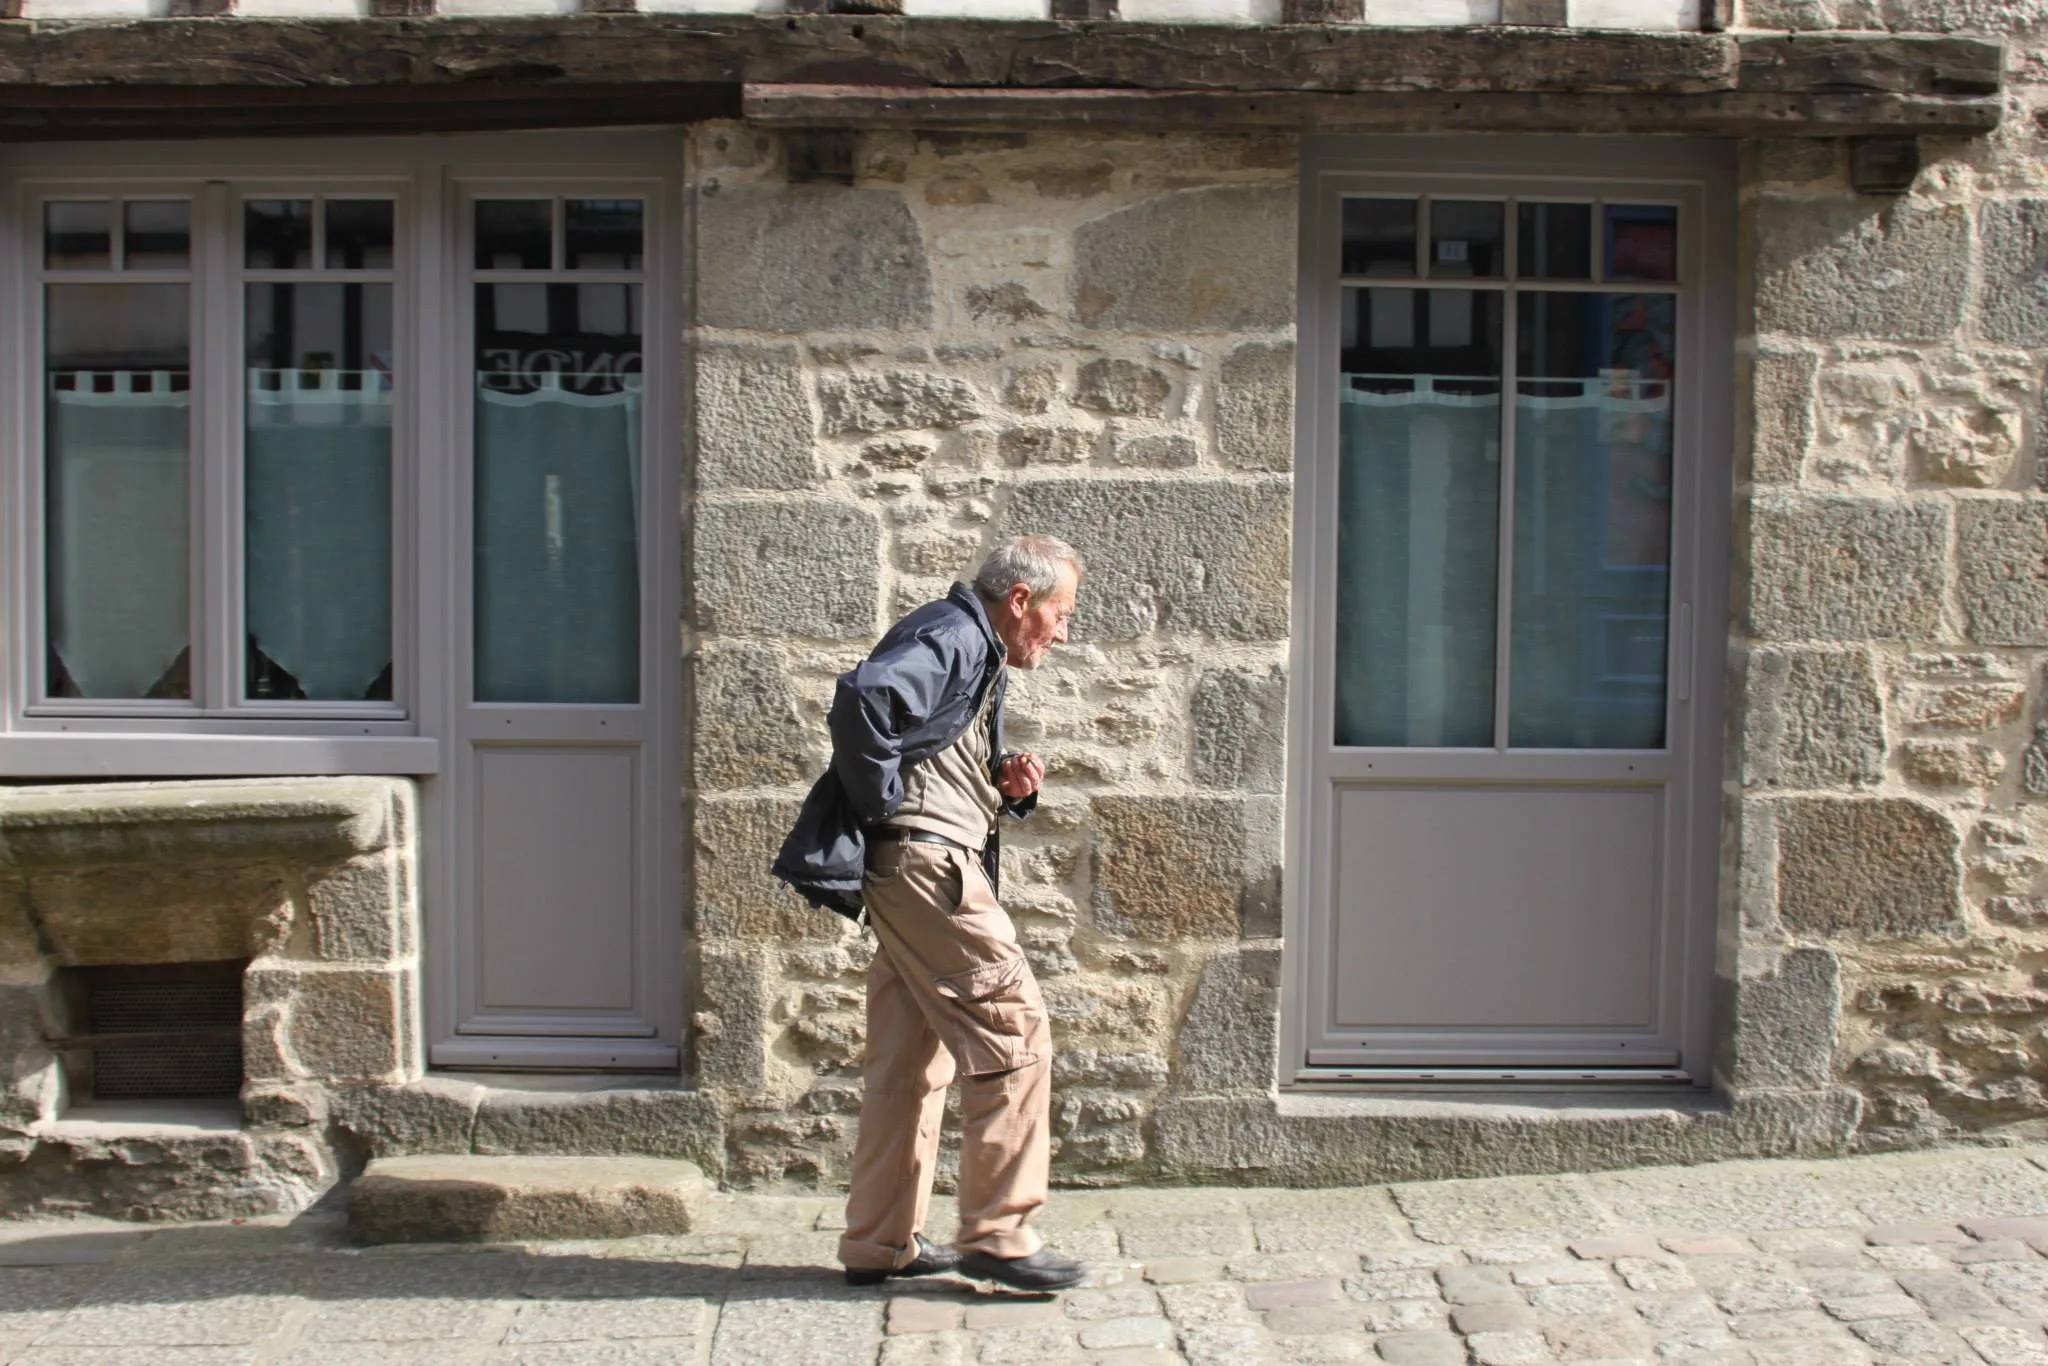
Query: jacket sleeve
(876, 704)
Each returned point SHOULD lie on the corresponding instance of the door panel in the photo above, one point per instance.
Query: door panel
(1508, 909)
(556, 864)
(1503, 772)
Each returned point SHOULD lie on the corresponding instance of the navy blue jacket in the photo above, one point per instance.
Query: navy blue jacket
(912, 697)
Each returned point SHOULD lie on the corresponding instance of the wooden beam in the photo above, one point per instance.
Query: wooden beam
(1720, 114)
(145, 1038)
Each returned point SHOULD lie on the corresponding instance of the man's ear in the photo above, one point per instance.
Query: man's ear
(1020, 598)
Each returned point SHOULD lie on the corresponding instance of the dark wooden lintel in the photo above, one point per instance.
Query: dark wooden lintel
(578, 67)
(1718, 114)
(150, 1038)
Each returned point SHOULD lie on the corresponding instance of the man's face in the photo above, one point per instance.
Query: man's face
(1028, 629)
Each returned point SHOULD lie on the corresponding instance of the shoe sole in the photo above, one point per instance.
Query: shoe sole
(1028, 1287)
(867, 1277)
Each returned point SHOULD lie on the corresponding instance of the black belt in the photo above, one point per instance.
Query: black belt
(907, 836)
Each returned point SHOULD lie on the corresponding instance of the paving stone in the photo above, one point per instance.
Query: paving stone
(1313, 1319)
(1112, 1302)
(1997, 1250)
(1615, 1245)
(1017, 1312)
(1853, 1308)
(1328, 1347)
(1289, 1266)
(824, 1330)
(1599, 1337)
(406, 1320)
(1653, 1273)
(1947, 1295)
(2001, 1346)
(1404, 1316)
(1687, 1308)
(136, 1356)
(1138, 1356)
(2034, 1227)
(1474, 1211)
(928, 1349)
(1916, 1341)
(373, 1354)
(686, 1352)
(1842, 1281)
(1704, 1245)
(1560, 1273)
(206, 1322)
(1943, 1189)
(1421, 1349)
(1027, 1346)
(922, 1314)
(1521, 1348)
(1492, 1318)
(1394, 1285)
(1575, 1299)
(1766, 1196)
(1913, 1234)
(1290, 1294)
(1749, 1287)
(1916, 1256)
(1181, 1270)
(1477, 1285)
(1192, 1305)
(1223, 1344)
(1409, 1258)
(1162, 1238)
(1127, 1332)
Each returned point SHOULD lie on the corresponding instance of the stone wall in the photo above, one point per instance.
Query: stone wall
(1893, 656)
(1079, 334)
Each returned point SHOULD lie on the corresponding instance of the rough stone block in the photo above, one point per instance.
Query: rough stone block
(2002, 562)
(1170, 868)
(895, 401)
(681, 1124)
(1240, 729)
(1815, 719)
(736, 839)
(1255, 407)
(1199, 556)
(753, 417)
(338, 1022)
(1950, 763)
(1872, 869)
(430, 1115)
(1229, 1037)
(748, 731)
(1782, 396)
(441, 1199)
(2012, 271)
(803, 258)
(1218, 259)
(1847, 569)
(1046, 445)
(363, 911)
(1785, 1024)
(169, 913)
(1157, 450)
(1862, 267)
(731, 1025)
(810, 568)
(1123, 387)
(1032, 388)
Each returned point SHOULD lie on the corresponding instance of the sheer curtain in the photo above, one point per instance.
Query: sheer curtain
(1419, 476)
(118, 500)
(318, 509)
(557, 544)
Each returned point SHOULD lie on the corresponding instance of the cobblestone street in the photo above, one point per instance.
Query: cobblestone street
(1923, 1259)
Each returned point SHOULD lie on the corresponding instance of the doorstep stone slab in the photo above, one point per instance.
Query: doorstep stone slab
(470, 1199)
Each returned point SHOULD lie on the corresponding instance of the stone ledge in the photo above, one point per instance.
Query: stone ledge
(1328, 1140)
(296, 819)
(513, 1199)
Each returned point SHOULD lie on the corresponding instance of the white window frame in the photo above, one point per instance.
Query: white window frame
(95, 738)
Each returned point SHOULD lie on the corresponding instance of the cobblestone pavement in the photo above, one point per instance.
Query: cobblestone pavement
(1924, 1259)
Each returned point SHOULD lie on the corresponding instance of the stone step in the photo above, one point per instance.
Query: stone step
(467, 1199)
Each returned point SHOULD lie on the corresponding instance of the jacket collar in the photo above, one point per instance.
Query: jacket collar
(963, 596)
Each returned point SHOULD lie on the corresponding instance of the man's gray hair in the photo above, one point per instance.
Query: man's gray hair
(1033, 561)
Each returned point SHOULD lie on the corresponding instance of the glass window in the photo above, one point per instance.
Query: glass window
(1379, 237)
(1642, 242)
(117, 489)
(317, 492)
(602, 234)
(78, 235)
(1592, 520)
(359, 234)
(1467, 238)
(557, 491)
(1418, 484)
(157, 234)
(515, 234)
(278, 234)
(1554, 241)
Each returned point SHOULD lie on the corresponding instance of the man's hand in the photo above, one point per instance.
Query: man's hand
(1019, 776)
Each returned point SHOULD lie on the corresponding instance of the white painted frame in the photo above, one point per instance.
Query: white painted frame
(1640, 170)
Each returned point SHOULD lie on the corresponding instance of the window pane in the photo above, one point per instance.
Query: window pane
(1642, 242)
(1466, 238)
(1555, 241)
(78, 236)
(602, 234)
(1417, 538)
(158, 234)
(558, 493)
(1592, 520)
(515, 234)
(317, 497)
(359, 234)
(118, 441)
(278, 234)
(1379, 237)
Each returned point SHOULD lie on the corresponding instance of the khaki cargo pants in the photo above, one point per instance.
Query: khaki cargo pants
(948, 990)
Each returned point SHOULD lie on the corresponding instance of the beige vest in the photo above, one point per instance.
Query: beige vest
(951, 793)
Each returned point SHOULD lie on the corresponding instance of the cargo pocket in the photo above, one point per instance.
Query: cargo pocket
(995, 1019)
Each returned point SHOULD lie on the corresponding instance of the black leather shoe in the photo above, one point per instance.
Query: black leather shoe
(931, 1260)
(1042, 1270)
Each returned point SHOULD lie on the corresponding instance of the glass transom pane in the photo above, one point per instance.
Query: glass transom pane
(78, 235)
(515, 234)
(277, 234)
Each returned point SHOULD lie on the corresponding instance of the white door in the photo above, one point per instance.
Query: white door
(562, 785)
(1512, 409)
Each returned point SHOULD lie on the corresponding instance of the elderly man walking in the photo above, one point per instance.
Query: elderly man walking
(903, 826)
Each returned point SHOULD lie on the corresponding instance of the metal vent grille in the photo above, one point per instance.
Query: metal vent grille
(187, 1038)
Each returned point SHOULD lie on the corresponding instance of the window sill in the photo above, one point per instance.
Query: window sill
(86, 754)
